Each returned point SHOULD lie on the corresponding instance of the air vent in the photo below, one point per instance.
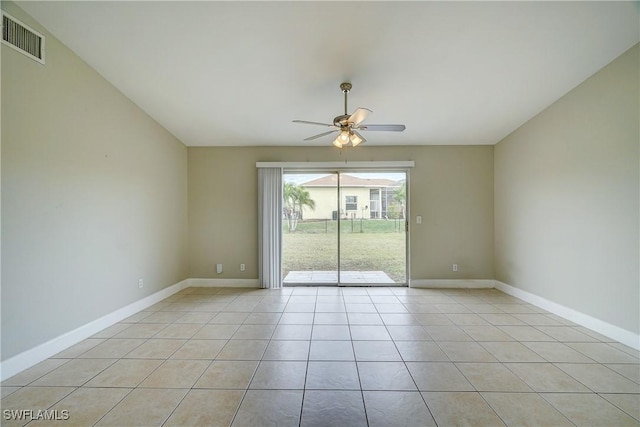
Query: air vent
(22, 38)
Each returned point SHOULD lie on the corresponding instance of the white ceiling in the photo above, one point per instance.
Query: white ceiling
(237, 73)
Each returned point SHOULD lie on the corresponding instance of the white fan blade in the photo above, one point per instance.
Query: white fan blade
(359, 115)
(390, 128)
(311, 123)
(320, 135)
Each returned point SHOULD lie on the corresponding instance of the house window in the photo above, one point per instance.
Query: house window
(351, 203)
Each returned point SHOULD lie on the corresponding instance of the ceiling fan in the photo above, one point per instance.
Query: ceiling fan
(349, 124)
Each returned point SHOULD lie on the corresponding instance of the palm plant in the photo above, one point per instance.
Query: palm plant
(295, 199)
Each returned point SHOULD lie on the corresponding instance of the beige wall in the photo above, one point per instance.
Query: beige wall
(566, 199)
(451, 188)
(94, 196)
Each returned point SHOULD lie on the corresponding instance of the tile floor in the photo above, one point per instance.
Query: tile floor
(326, 277)
(336, 357)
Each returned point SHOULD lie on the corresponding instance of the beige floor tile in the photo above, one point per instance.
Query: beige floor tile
(492, 377)
(438, 376)
(536, 319)
(125, 373)
(137, 317)
(141, 330)
(482, 308)
(262, 319)
(461, 409)
(408, 333)
(179, 331)
(486, 333)
(330, 332)
(447, 333)
(558, 352)
(629, 403)
(330, 308)
(144, 407)
(525, 409)
(332, 376)
(589, 410)
(501, 319)
(274, 375)
(331, 350)
(113, 348)
(599, 378)
(376, 351)
(111, 331)
(466, 352)
(37, 398)
(361, 308)
(364, 319)
(227, 374)
(229, 318)
(270, 307)
(296, 319)
(517, 308)
(511, 352)
(545, 377)
(603, 353)
(398, 319)
(7, 390)
(243, 350)
(421, 351)
(453, 308)
(300, 308)
(287, 350)
(77, 349)
(216, 332)
(199, 317)
(396, 408)
(292, 332)
(467, 319)
(156, 349)
(86, 406)
(30, 399)
(369, 333)
(390, 308)
(385, 376)
(433, 319)
(330, 319)
(76, 372)
(630, 371)
(162, 317)
(333, 408)
(206, 408)
(526, 333)
(33, 373)
(176, 374)
(418, 308)
(254, 332)
(269, 408)
(566, 334)
(199, 349)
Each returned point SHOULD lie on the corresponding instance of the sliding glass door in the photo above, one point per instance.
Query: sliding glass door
(344, 228)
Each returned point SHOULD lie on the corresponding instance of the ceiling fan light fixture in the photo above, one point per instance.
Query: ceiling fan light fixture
(337, 142)
(355, 139)
(344, 137)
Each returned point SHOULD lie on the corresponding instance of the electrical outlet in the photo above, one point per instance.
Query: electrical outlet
(455, 267)
(140, 283)
(419, 219)
(243, 267)
(219, 268)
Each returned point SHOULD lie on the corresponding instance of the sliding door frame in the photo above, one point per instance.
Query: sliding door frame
(343, 167)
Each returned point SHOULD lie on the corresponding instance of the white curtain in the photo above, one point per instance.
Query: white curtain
(270, 227)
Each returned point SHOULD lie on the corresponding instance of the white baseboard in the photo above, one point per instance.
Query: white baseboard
(224, 283)
(615, 332)
(453, 283)
(27, 359)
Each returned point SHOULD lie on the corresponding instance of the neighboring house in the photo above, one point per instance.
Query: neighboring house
(360, 198)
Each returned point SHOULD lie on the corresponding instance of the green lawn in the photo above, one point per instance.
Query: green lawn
(378, 248)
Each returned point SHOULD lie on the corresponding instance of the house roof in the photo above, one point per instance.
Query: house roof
(350, 181)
